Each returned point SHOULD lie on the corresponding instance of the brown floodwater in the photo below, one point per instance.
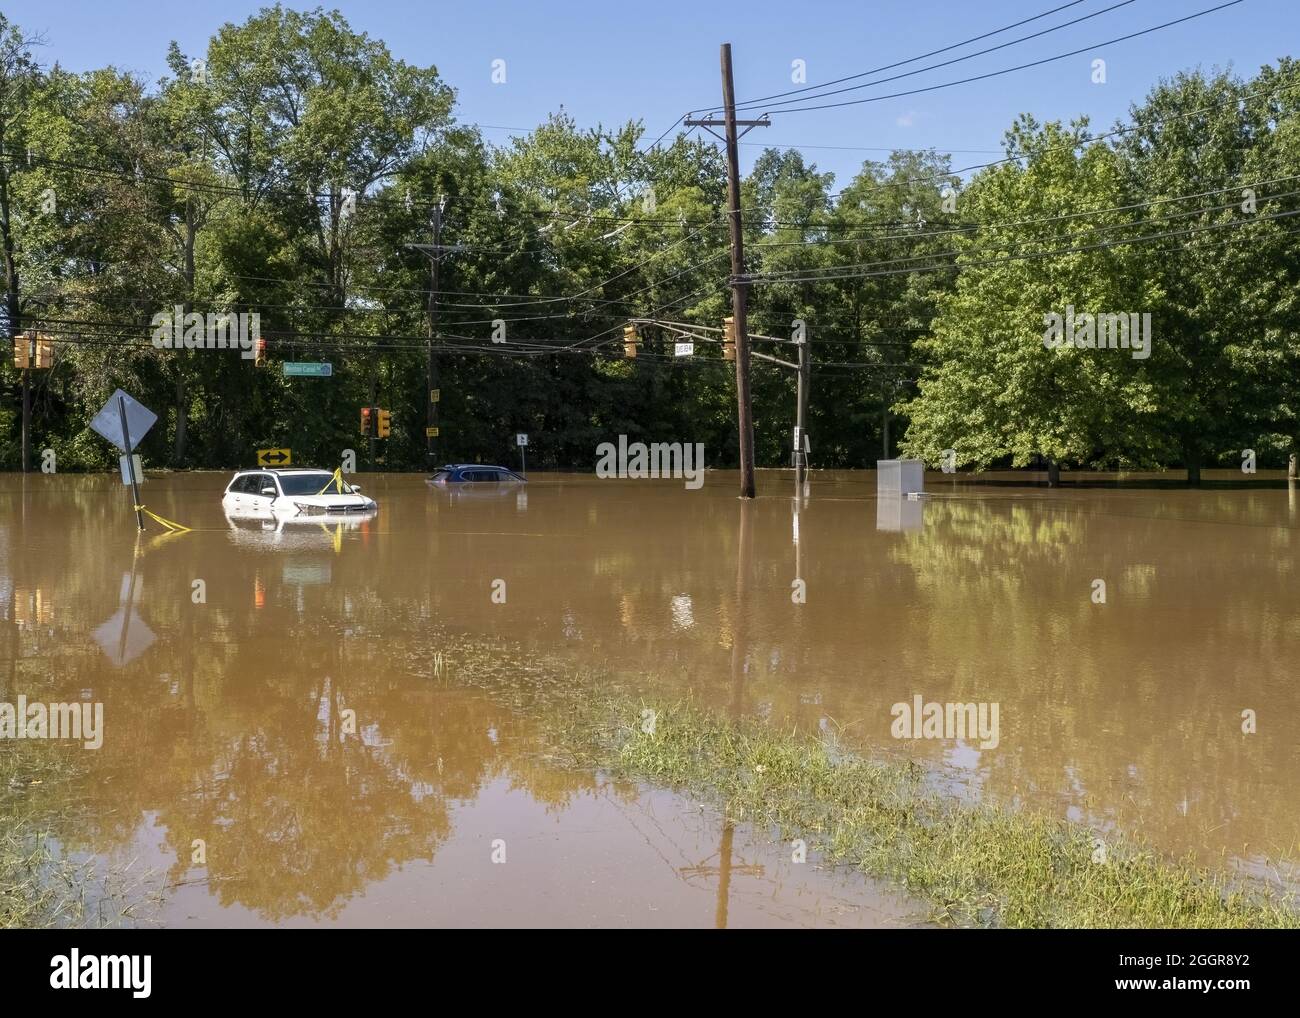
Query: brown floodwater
(304, 720)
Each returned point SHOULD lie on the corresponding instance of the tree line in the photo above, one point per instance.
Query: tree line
(292, 169)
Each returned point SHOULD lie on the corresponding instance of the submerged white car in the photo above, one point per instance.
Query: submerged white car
(293, 493)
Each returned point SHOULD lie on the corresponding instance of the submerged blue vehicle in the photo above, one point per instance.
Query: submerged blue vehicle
(456, 473)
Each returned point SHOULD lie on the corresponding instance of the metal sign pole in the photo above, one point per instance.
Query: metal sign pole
(130, 462)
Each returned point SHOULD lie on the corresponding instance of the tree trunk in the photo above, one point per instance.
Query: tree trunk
(1053, 474)
(12, 309)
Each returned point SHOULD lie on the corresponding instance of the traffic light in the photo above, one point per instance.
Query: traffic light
(385, 423)
(729, 338)
(33, 350)
(629, 341)
(367, 422)
(260, 347)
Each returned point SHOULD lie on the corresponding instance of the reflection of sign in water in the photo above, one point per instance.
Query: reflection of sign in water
(274, 457)
(108, 422)
(124, 637)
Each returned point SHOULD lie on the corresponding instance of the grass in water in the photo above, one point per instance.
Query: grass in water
(40, 886)
(977, 865)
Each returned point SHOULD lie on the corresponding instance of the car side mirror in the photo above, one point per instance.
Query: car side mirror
(269, 491)
(356, 489)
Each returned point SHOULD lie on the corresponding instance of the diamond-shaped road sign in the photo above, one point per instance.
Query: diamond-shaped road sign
(108, 422)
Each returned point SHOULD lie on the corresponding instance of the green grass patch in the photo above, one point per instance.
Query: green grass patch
(40, 885)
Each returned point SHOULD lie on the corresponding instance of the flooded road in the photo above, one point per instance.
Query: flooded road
(287, 739)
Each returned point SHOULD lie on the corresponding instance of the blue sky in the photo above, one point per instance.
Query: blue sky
(606, 61)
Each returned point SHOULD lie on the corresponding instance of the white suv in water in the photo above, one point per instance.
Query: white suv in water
(293, 493)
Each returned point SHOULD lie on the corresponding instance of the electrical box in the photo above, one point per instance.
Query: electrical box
(897, 478)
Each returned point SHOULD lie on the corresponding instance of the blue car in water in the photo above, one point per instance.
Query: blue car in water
(456, 473)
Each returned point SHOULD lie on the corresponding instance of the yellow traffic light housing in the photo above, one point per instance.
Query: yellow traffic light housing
(729, 338)
(630, 341)
(33, 350)
(260, 348)
(385, 423)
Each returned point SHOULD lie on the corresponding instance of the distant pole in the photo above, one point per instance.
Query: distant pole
(130, 462)
(27, 418)
(30, 340)
(801, 412)
(884, 421)
(431, 446)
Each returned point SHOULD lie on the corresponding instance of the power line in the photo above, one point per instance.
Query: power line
(1093, 229)
(1030, 256)
(902, 63)
(955, 60)
(1009, 70)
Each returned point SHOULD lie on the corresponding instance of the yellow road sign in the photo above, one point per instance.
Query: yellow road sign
(430, 432)
(435, 395)
(274, 457)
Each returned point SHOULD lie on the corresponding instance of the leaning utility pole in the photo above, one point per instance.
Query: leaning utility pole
(739, 286)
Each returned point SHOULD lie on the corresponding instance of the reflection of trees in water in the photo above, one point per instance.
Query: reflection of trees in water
(1131, 709)
(231, 730)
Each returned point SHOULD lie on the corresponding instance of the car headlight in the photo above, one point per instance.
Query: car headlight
(302, 508)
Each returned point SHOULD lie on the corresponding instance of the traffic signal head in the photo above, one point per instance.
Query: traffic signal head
(260, 347)
(367, 422)
(385, 423)
(629, 341)
(729, 338)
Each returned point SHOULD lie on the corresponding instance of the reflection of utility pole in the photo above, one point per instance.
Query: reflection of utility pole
(723, 872)
(739, 664)
(739, 285)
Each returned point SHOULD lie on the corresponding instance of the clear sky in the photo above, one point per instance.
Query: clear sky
(606, 61)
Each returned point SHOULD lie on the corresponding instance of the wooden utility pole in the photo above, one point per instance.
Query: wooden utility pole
(739, 286)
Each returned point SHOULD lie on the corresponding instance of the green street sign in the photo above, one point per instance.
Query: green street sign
(309, 369)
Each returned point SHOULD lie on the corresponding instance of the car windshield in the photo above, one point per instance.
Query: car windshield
(309, 484)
